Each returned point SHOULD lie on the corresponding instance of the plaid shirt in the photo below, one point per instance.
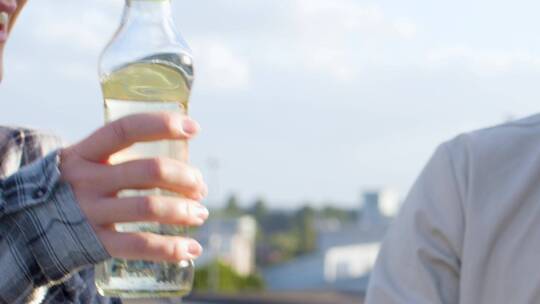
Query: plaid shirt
(47, 246)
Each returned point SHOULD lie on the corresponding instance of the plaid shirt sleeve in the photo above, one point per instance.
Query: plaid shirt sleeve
(44, 236)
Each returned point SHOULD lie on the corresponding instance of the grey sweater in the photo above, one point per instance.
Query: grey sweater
(469, 231)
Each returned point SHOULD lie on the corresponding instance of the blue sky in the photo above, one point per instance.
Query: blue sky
(300, 100)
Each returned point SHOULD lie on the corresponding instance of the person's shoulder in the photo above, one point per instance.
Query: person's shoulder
(521, 127)
(502, 135)
(500, 143)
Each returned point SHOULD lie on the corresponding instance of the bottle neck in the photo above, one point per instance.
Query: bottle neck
(148, 11)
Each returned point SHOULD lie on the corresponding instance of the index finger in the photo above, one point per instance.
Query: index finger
(126, 131)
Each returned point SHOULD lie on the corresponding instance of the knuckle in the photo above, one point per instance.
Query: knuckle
(156, 168)
(119, 172)
(119, 129)
(149, 207)
(142, 244)
(168, 251)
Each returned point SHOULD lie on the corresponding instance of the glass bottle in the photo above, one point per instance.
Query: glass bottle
(146, 67)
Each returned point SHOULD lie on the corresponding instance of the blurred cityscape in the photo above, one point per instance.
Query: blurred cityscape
(260, 249)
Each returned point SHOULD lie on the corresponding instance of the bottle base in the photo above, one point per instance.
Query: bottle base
(142, 294)
(140, 288)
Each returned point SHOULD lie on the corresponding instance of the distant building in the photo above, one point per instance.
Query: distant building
(231, 241)
(378, 205)
(377, 208)
(344, 268)
(345, 253)
(349, 262)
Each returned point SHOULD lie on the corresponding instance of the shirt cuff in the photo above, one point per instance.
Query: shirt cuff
(57, 233)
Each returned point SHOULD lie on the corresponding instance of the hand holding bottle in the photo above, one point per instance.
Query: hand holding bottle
(96, 182)
(147, 67)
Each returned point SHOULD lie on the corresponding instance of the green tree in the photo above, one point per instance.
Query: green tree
(259, 210)
(232, 208)
(343, 215)
(305, 226)
(228, 282)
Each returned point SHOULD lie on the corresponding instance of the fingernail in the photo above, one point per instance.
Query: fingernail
(201, 212)
(189, 126)
(194, 249)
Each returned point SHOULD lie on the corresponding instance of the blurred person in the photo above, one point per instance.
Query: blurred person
(469, 229)
(58, 205)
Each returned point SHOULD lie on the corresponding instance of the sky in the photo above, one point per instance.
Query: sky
(299, 100)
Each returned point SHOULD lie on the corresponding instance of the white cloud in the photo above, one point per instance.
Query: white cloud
(69, 38)
(406, 28)
(219, 66)
(79, 71)
(330, 60)
(482, 61)
(85, 31)
(337, 38)
(331, 39)
(345, 14)
(331, 18)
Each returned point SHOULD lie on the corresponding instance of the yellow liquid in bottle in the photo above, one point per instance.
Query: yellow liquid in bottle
(157, 83)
